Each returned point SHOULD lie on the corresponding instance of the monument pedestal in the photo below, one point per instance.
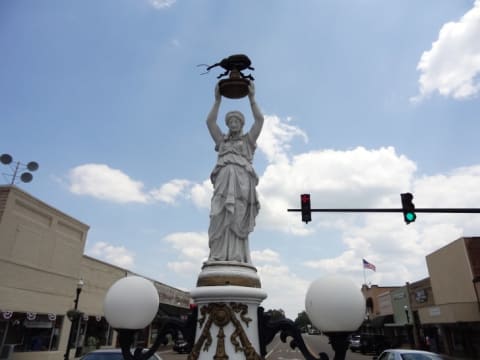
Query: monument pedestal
(219, 273)
(227, 296)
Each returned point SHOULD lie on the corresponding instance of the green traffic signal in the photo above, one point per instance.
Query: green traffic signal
(408, 208)
(410, 216)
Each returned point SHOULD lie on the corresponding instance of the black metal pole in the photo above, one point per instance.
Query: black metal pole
(419, 210)
(339, 342)
(67, 352)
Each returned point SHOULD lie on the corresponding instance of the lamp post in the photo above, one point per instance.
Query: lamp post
(337, 308)
(407, 315)
(74, 318)
(25, 176)
(130, 305)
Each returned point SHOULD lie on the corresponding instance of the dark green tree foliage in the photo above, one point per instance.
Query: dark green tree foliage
(276, 314)
(302, 321)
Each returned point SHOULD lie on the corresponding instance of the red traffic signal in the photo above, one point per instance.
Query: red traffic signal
(306, 208)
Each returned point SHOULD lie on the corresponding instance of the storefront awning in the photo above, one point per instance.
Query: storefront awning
(397, 324)
(379, 321)
(37, 324)
(170, 310)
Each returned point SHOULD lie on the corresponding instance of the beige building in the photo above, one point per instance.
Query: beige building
(441, 312)
(453, 321)
(378, 303)
(420, 297)
(41, 262)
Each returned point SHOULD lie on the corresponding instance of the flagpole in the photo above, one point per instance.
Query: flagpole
(364, 277)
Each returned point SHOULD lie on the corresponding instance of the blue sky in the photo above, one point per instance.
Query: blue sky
(363, 100)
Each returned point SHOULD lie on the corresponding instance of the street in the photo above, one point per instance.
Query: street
(316, 343)
(278, 350)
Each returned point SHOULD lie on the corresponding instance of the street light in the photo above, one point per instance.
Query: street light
(335, 306)
(131, 304)
(407, 314)
(25, 176)
(73, 316)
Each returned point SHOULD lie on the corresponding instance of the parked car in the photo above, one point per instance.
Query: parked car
(407, 354)
(111, 354)
(181, 346)
(314, 331)
(373, 343)
(355, 343)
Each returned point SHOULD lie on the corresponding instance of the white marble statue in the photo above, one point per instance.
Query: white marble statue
(234, 203)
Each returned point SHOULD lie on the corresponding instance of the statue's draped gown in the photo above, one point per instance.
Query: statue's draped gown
(234, 202)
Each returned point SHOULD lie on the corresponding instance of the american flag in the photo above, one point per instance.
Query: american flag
(367, 265)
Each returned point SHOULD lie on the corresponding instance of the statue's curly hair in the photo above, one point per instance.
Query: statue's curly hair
(235, 113)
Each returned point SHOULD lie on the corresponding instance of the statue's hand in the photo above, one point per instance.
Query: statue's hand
(251, 90)
(218, 96)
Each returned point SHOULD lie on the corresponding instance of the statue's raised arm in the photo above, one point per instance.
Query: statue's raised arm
(257, 114)
(215, 131)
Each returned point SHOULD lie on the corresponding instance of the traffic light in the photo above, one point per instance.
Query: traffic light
(408, 208)
(306, 209)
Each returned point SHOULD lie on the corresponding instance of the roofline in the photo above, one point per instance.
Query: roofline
(15, 188)
(129, 272)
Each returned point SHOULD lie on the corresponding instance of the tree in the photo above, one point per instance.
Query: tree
(276, 314)
(302, 321)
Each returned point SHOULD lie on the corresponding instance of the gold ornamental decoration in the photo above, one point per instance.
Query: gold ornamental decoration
(221, 314)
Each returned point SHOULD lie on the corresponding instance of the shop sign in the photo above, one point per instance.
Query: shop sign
(434, 311)
(421, 296)
(37, 324)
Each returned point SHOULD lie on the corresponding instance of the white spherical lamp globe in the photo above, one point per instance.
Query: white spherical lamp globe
(131, 303)
(335, 304)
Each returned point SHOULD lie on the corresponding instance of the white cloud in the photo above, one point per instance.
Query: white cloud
(452, 66)
(105, 183)
(202, 193)
(345, 262)
(399, 250)
(357, 177)
(285, 289)
(184, 267)
(169, 192)
(193, 251)
(102, 182)
(275, 138)
(265, 256)
(162, 4)
(452, 189)
(368, 178)
(117, 255)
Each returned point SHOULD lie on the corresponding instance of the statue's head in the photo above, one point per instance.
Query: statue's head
(234, 114)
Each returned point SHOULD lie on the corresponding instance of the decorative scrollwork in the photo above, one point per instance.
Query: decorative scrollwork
(221, 314)
(169, 325)
(268, 328)
(243, 310)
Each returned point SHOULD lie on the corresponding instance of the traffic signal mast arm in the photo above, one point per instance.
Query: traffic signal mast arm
(419, 210)
(408, 209)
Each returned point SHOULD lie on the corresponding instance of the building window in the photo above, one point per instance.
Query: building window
(30, 331)
(98, 331)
